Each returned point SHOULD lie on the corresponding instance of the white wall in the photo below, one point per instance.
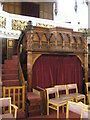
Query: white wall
(66, 13)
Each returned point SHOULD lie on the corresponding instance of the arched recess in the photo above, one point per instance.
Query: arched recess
(35, 57)
(80, 57)
(56, 63)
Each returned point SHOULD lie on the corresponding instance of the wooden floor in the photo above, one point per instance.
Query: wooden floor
(52, 115)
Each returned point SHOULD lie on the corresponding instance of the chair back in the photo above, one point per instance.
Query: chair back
(72, 87)
(61, 88)
(51, 91)
(4, 102)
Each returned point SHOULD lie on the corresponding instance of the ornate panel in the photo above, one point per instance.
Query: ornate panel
(79, 43)
(18, 24)
(52, 40)
(44, 41)
(44, 25)
(36, 41)
(2, 22)
(59, 40)
(74, 43)
(66, 40)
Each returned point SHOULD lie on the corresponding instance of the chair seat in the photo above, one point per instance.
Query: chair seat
(8, 115)
(58, 100)
(89, 92)
(67, 97)
(76, 95)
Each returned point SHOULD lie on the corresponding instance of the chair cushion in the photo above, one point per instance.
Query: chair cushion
(80, 95)
(8, 115)
(67, 97)
(58, 100)
(76, 95)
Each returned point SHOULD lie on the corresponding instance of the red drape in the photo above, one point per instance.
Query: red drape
(49, 70)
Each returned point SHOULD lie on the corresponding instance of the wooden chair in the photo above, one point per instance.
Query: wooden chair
(77, 96)
(6, 102)
(75, 107)
(62, 93)
(88, 91)
(85, 113)
(53, 101)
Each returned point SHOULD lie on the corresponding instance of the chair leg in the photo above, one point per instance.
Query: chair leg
(57, 111)
(67, 111)
(63, 109)
(47, 109)
(84, 100)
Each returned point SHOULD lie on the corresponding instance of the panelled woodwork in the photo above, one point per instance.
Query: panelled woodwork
(54, 38)
(4, 49)
(12, 7)
(57, 41)
(46, 10)
(11, 50)
(39, 9)
(30, 9)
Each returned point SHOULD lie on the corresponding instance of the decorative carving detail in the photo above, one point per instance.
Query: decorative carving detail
(2, 22)
(36, 40)
(59, 40)
(66, 40)
(28, 41)
(44, 25)
(44, 41)
(41, 39)
(18, 24)
(52, 40)
(79, 43)
(74, 42)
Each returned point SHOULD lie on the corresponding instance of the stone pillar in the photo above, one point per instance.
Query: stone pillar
(29, 33)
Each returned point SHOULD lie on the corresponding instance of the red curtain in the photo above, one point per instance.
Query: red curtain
(49, 70)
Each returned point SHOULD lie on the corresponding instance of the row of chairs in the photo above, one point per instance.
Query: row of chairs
(59, 95)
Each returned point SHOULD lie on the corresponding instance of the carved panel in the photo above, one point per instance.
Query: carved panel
(74, 43)
(2, 22)
(29, 41)
(52, 40)
(18, 24)
(59, 40)
(44, 41)
(44, 25)
(66, 40)
(79, 43)
(55, 40)
(36, 41)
